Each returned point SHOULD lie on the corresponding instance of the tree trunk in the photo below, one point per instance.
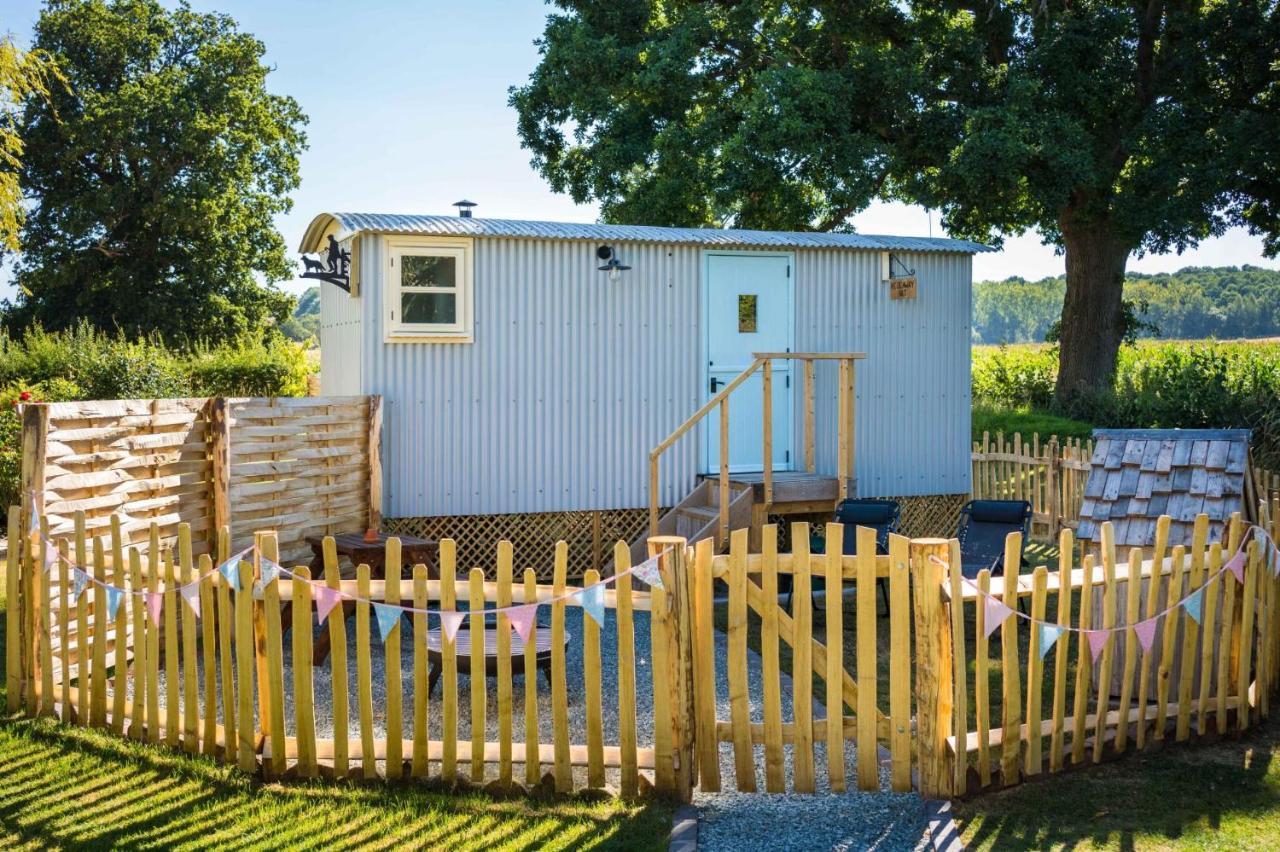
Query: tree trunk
(1092, 317)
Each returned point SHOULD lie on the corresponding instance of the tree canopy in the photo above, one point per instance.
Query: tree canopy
(23, 75)
(1109, 128)
(154, 175)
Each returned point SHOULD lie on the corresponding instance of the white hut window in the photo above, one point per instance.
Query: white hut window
(429, 291)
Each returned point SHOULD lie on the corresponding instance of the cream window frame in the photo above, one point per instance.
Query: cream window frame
(459, 331)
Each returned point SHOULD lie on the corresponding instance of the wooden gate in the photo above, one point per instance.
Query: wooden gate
(796, 714)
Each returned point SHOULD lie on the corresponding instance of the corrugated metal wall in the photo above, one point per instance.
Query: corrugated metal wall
(569, 383)
(913, 390)
(340, 325)
(572, 379)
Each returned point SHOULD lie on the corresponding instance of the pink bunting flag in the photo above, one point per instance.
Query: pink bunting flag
(1097, 641)
(995, 613)
(521, 619)
(154, 602)
(326, 600)
(1236, 565)
(451, 621)
(1146, 632)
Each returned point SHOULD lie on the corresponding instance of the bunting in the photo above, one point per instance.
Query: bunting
(191, 594)
(1236, 565)
(994, 612)
(230, 570)
(1146, 633)
(114, 596)
(1097, 641)
(450, 622)
(50, 555)
(326, 600)
(81, 580)
(648, 572)
(1193, 604)
(592, 600)
(521, 619)
(1049, 635)
(270, 570)
(388, 618)
(154, 601)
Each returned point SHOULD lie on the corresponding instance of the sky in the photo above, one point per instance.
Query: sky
(408, 111)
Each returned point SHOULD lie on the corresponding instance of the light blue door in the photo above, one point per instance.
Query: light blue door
(747, 309)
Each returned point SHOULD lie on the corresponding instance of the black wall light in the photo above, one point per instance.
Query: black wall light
(612, 265)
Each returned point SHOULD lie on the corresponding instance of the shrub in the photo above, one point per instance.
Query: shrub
(275, 367)
(83, 363)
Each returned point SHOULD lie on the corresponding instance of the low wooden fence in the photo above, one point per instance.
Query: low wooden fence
(1186, 649)
(210, 669)
(307, 466)
(1051, 476)
(1208, 662)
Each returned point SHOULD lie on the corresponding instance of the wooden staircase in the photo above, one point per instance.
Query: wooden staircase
(697, 516)
(722, 502)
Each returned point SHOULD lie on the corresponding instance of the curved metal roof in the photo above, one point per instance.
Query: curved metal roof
(455, 226)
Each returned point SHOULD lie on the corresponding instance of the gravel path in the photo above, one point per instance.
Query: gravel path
(825, 820)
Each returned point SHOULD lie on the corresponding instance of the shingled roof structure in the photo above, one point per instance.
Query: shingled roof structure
(1137, 475)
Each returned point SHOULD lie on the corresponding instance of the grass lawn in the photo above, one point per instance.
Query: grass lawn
(1028, 421)
(1224, 795)
(72, 788)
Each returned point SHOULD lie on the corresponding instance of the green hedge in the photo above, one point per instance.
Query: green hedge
(83, 363)
(1157, 385)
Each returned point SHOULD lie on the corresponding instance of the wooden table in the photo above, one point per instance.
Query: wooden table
(462, 646)
(413, 551)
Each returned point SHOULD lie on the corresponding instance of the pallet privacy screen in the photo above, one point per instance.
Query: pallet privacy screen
(306, 466)
(235, 684)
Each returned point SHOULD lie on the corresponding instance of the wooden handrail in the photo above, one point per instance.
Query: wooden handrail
(721, 402)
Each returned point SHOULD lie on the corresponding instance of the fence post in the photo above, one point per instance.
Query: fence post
(1053, 487)
(220, 459)
(35, 436)
(375, 462)
(933, 665)
(677, 579)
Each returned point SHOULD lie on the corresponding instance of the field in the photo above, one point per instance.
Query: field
(1158, 384)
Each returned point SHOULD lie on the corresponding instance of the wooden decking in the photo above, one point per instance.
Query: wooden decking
(791, 487)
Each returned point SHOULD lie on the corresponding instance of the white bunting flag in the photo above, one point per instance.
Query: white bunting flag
(191, 594)
(995, 612)
(450, 621)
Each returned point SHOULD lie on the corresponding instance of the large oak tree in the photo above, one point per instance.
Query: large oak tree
(154, 175)
(1110, 128)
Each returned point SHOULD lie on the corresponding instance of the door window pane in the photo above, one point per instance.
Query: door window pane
(425, 307)
(427, 271)
(747, 313)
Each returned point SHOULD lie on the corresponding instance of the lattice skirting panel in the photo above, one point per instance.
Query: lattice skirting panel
(590, 536)
(930, 516)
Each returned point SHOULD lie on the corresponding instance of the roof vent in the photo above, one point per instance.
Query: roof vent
(464, 208)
